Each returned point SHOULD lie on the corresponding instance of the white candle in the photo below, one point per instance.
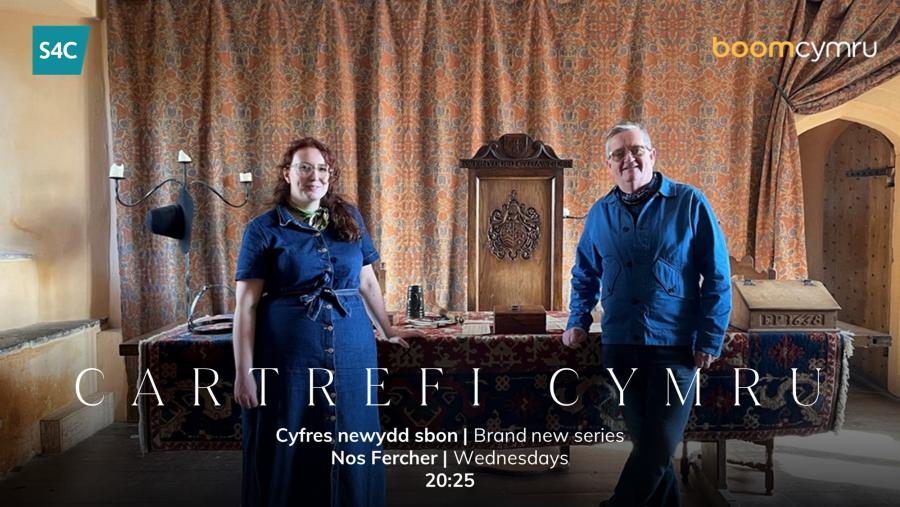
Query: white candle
(117, 171)
(246, 177)
(183, 157)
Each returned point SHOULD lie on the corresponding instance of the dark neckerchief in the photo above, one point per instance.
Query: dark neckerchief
(635, 202)
(644, 194)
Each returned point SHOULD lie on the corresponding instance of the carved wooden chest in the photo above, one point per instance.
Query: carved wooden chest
(779, 305)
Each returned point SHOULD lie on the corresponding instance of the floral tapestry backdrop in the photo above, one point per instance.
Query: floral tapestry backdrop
(403, 89)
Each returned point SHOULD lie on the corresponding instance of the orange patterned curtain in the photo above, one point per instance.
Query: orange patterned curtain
(404, 89)
(812, 86)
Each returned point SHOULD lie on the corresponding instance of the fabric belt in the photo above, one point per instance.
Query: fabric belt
(316, 298)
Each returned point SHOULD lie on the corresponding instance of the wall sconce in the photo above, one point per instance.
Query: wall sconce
(117, 172)
(175, 220)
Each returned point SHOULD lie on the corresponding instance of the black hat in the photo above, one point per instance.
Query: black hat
(174, 220)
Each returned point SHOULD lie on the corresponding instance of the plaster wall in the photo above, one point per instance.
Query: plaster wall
(54, 205)
(18, 293)
(53, 186)
(115, 378)
(35, 381)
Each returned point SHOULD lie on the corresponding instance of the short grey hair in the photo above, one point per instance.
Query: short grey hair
(623, 126)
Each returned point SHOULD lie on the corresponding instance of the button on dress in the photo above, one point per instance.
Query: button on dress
(311, 320)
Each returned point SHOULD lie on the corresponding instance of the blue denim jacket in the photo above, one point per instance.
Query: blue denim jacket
(651, 270)
(293, 257)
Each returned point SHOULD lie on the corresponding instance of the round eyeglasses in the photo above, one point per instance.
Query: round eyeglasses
(320, 170)
(636, 151)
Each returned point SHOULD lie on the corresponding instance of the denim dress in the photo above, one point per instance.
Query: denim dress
(310, 323)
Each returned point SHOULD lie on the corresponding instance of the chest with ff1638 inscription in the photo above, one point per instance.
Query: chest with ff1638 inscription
(783, 305)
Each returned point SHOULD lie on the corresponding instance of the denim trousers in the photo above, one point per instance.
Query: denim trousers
(655, 419)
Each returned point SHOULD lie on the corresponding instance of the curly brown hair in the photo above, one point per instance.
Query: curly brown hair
(339, 207)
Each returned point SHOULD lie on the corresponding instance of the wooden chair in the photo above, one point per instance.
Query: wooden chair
(744, 270)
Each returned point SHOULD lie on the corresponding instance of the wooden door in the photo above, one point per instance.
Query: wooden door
(857, 236)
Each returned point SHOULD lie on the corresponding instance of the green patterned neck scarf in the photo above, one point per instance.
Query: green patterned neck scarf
(318, 218)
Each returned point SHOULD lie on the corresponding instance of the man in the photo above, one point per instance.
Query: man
(654, 248)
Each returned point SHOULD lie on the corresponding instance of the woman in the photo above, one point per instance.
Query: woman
(304, 286)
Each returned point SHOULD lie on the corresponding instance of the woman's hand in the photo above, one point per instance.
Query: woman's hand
(398, 335)
(245, 390)
(249, 293)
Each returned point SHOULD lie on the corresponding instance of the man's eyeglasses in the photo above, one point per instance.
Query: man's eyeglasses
(636, 151)
(321, 170)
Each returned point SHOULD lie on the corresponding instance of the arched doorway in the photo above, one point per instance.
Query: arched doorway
(848, 196)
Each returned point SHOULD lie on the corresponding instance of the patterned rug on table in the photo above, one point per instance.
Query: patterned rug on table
(514, 387)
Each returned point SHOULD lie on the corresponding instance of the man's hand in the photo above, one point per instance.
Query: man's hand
(574, 337)
(703, 360)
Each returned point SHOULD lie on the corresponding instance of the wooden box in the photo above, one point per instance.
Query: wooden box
(520, 319)
(783, 305)
(64, 428)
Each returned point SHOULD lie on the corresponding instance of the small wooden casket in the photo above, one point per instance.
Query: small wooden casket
(783, 305)
(520, 319)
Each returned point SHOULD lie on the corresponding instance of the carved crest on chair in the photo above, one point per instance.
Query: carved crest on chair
(515, 150)
(514, 229)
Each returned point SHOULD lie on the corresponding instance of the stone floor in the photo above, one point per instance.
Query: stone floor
(859, 466)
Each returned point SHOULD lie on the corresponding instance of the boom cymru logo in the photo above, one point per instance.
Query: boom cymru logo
(814, 51)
